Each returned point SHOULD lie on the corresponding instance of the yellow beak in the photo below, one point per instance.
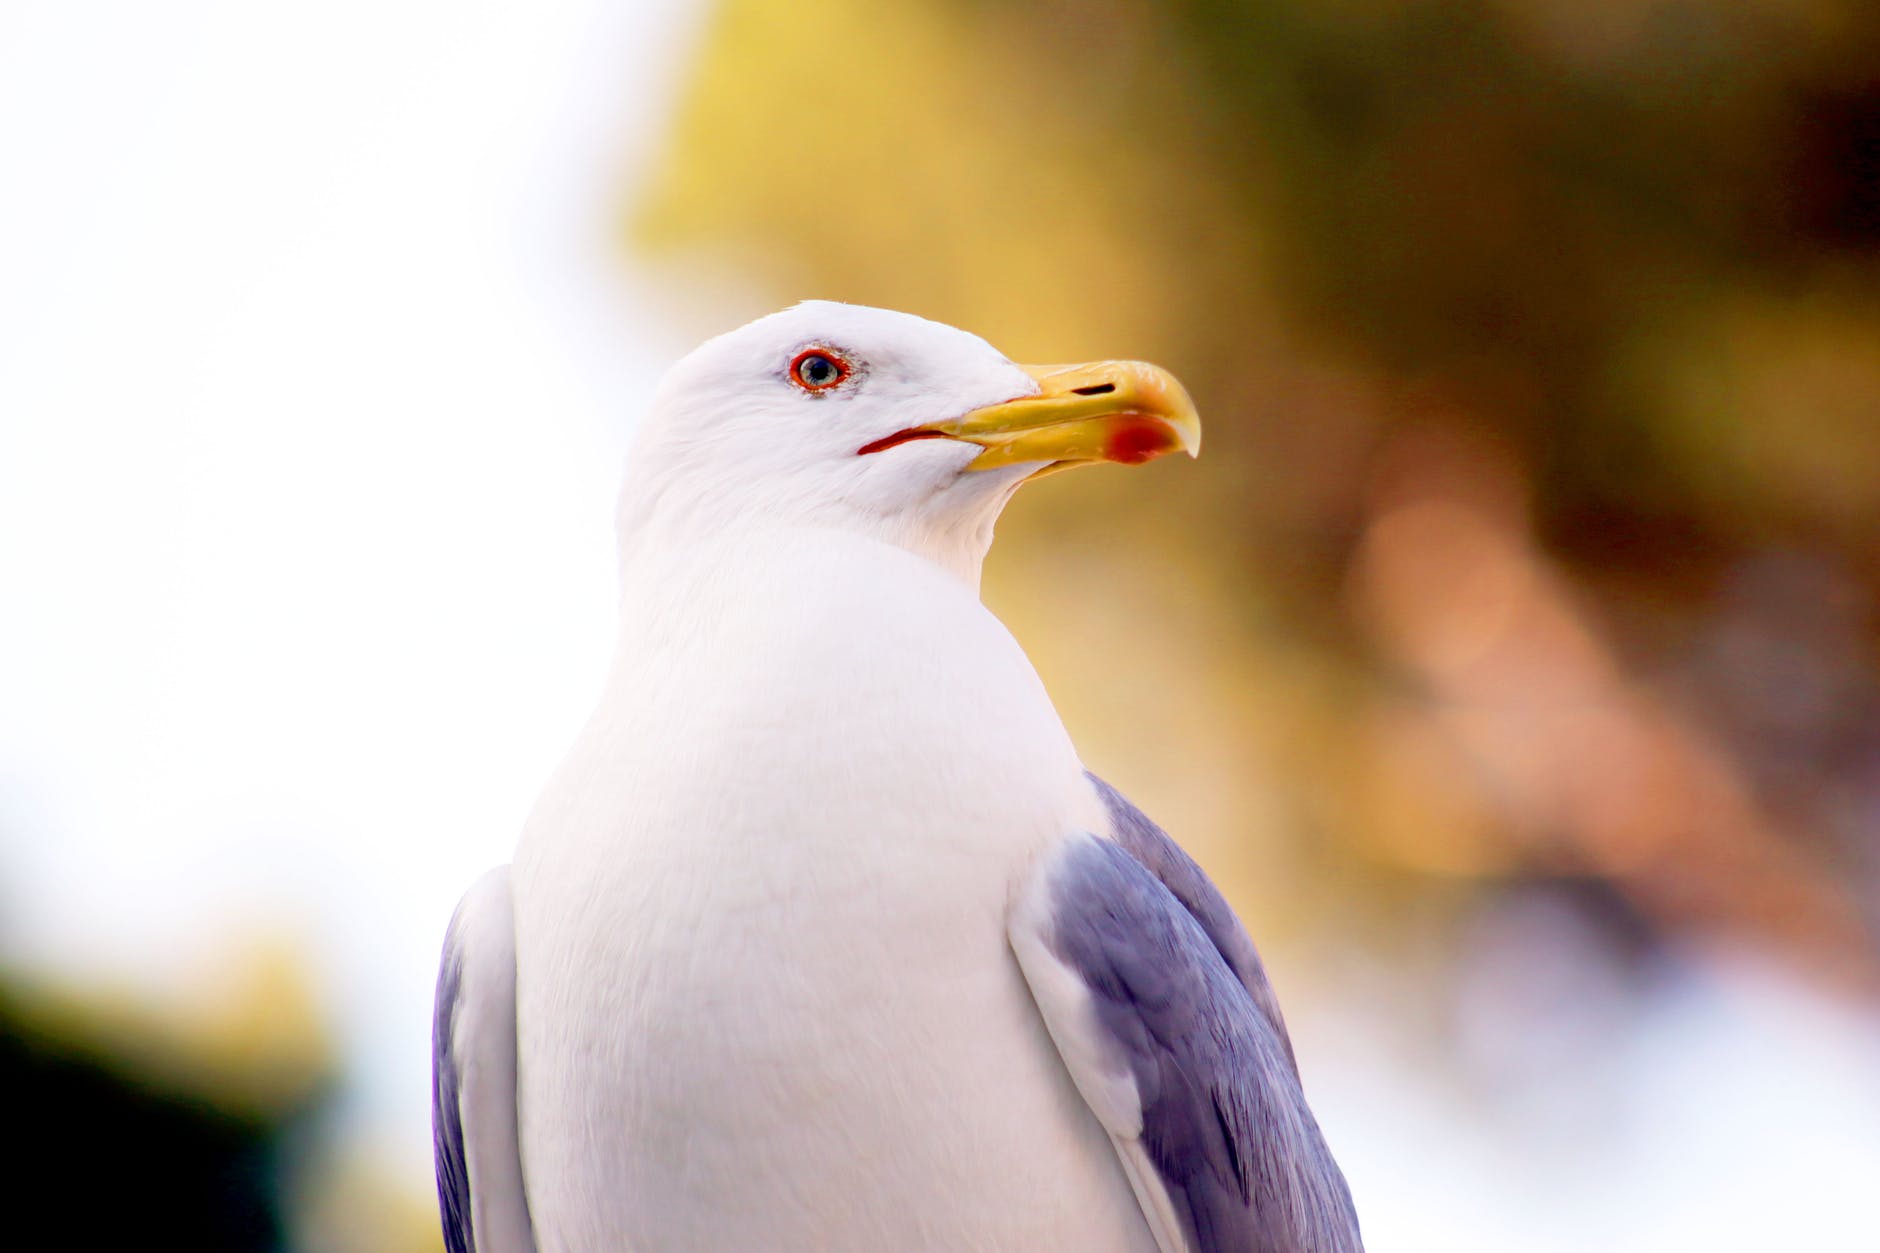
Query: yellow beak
(1124, 411)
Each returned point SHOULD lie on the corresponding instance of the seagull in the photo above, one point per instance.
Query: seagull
(822, 937)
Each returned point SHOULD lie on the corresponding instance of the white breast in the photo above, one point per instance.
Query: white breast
(764, 991)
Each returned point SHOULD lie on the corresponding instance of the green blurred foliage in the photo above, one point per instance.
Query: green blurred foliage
(1538, 346)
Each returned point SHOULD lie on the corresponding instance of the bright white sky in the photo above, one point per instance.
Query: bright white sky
(316, 367)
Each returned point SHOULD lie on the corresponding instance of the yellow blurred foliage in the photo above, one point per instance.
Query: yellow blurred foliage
(245, 1031)
(1525, 338)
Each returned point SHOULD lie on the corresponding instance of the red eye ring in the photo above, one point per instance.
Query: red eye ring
(819, 369)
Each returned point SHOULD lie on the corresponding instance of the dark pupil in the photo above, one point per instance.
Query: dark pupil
(818, 370)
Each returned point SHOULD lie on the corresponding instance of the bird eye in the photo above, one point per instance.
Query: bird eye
(818, 369)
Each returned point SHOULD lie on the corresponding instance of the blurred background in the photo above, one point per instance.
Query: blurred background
(1516, 655)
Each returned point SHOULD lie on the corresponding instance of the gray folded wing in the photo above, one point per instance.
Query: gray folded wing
(1160, 1007)
(473, 1096)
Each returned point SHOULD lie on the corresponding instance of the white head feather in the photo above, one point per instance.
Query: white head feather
(732, 440)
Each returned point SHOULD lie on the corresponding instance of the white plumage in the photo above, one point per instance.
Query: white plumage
(764, 996)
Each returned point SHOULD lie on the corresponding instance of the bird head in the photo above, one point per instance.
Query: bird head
(839, 415)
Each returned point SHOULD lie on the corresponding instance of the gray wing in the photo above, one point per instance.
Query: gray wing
(473, 1077)
(1164, 1017)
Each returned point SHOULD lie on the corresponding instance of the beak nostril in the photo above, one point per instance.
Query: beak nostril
(1095, 389)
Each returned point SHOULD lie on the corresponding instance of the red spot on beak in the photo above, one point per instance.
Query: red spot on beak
(1136, 440)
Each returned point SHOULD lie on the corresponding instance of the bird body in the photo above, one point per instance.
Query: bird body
(822, 938)
(785, 851)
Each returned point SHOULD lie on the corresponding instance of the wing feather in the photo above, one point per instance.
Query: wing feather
(1165, 1019)
(473, 1109)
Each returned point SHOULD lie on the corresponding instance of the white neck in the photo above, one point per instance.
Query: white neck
(953, 530)
(772, 652)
